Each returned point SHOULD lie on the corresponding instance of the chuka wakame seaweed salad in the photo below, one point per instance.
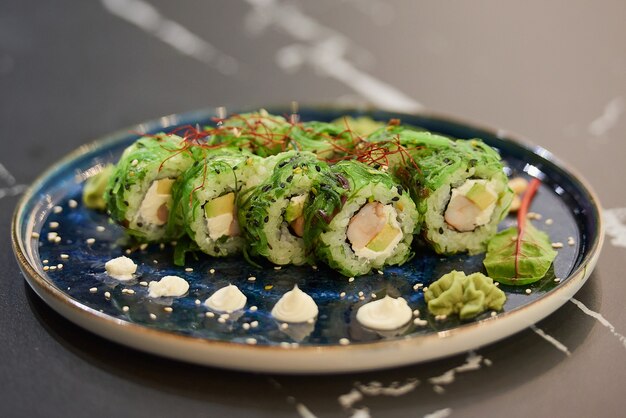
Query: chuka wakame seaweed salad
(355, 194)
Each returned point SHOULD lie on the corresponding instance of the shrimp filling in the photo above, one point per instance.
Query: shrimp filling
(471, 205)
(155, 207)
(221, 216)
(374, 230)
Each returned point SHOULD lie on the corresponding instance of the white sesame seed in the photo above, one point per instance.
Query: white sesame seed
(54, 225)
(100, 228)
(381, 272)
(225, 316)
(153, 316)
(130, 291)
(46, 268)
(425, 289)
(350, 279)
(361, 293)
(125, 308)
(57, 240)
(420, 322)
(107, 295)
(493, 313)
(557, 245)
(212, 271)
(277, 267)
(246, 326)
(134, 162)
(52, 236)
(155, 261)
(254, 324)
(59, 266)
(284, 325)
(549, 221)
(128, 252)
(65, 256)
(533, 215)
(72, 203)
(342, 295)
(253, 308)
(314, 267)
(57, 209)
(361, 297)
(251, 341)
(161, 246)
(570, 241)
(124, 290)
(53, 267)
(35, 235)
(285, 344)
(143, 246)
(168, 309)
(557, 280)
(416, 312)
(188, 269)
(528, 291)
(209, 314)
(251, 278)
(441, 317)
(497, 284)
(373, 295)
(143, 283)
(93, 289)
(344, 341)
(416, 286)
(90, 241)
(45, 261)
(197, 302)
(221, 320)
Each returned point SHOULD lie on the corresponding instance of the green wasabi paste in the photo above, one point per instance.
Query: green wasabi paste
(467, 296)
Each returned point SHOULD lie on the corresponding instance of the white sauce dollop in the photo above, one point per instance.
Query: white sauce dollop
(295, 306)
(227, 299)
(121, 268)
(168, 286)
(385, 314)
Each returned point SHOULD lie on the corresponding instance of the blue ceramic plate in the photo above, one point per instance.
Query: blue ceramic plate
(69, 275)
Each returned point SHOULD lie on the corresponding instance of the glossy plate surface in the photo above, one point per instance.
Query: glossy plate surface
(252, 340)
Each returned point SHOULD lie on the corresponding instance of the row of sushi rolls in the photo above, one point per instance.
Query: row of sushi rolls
(353, 193)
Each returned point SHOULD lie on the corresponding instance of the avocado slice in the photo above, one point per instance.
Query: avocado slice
(164, 186)
(220, 205)
(382, 240)
(481, 196)
(295, 208)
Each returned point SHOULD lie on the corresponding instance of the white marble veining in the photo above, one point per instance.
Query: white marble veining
(556, 343)
(609, 117)
(615, 225)
(146, 17)
(600, 319)
(324, 50)
(472, 362)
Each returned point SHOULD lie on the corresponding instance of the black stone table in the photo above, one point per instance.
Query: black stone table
(553, 72)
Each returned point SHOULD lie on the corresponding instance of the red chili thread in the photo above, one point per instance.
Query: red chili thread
(521, 219)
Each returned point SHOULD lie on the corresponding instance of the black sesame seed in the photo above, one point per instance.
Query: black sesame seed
(441, 230)
(318, 168)
(288, 179)
(395, 199)
(266, 219)
(140, 224)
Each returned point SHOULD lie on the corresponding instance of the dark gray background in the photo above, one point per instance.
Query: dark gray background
(71, 71)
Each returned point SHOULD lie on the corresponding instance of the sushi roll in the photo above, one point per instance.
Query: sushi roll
(327, 140)
(138, 194)
(260, 132)
(271, 214)
(205, 198)
(360, 219)
(461, 193)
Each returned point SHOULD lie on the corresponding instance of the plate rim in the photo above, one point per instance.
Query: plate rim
(303, 359)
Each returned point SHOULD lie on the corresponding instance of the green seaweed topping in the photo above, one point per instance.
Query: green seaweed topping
(467, 296)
